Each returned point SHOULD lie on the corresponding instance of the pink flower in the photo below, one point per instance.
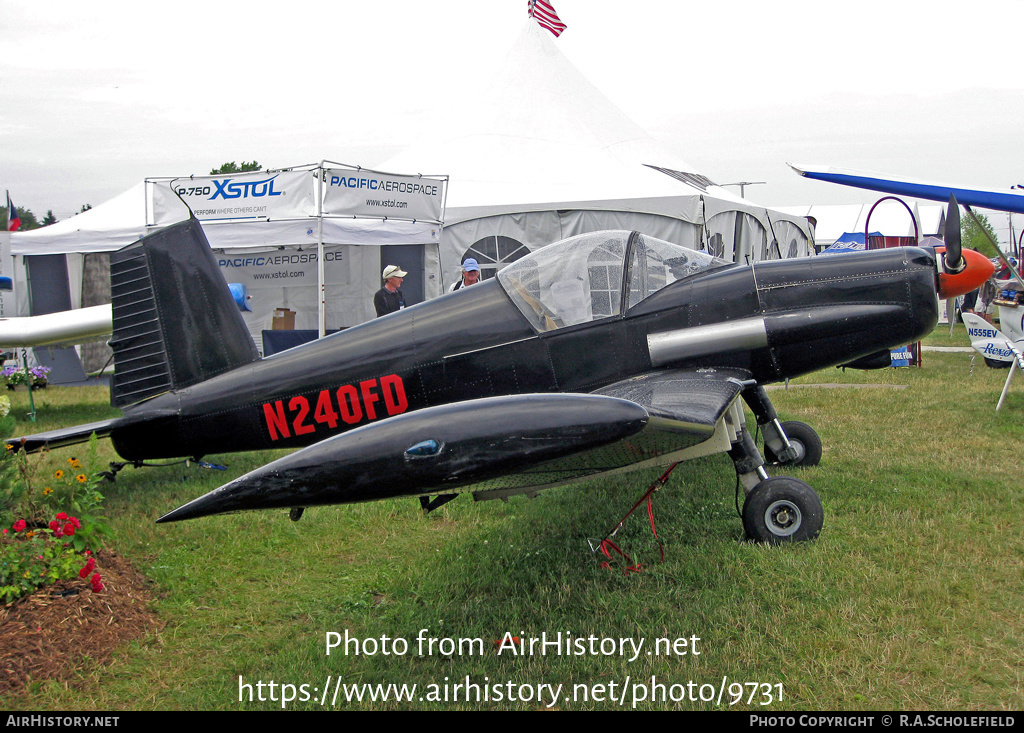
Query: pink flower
(55, 527)
(97, 586)
(74, 521)
(62, 516)
(69, 529)
(19, 525)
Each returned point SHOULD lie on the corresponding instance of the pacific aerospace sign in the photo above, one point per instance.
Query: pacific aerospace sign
(368, 193)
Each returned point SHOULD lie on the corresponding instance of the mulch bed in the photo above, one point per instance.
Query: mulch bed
(47, 634)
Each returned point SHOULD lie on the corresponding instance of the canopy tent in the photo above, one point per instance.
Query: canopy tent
(849, 242)
(542, 155)
(282, 252)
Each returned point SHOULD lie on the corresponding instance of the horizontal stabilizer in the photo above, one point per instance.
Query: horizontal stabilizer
(64, 436)
(431, 449)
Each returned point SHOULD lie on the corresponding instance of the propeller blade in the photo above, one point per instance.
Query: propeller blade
(954, 261)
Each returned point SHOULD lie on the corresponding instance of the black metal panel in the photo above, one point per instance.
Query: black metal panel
(593, 354)
(471, 441)
(711, 297)
(175, 322)
(140, 357)
(522, 366)
(408, 350)
(831, 310)
(886, 276)
(682, 395)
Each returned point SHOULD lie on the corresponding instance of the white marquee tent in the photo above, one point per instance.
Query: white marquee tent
(276, 257)
(542, 154)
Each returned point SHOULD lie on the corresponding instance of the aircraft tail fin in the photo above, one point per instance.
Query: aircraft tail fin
(175, 322)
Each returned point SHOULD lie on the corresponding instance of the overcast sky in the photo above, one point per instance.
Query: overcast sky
(95, 97)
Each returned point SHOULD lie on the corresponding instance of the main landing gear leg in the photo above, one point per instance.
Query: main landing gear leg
(748, 461)
(790, 443)
(776, 510)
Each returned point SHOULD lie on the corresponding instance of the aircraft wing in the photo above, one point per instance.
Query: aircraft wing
(64, 328)
(497, 443)
(985, 198)
(682, 400)
(991, 342)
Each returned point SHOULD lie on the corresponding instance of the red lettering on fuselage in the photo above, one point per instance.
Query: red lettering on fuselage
(394, 394)
(348, 401)
(319, 413)
(369, 397)
(276, 423)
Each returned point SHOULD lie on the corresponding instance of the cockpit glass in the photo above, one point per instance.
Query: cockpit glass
(581, 279)
(657, 263)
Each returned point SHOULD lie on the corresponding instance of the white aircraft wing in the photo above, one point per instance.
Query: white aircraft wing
(65, 328)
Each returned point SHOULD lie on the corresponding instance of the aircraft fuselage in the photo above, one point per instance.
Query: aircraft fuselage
(776, 320)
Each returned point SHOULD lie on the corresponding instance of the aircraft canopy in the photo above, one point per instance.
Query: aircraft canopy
(583, 278)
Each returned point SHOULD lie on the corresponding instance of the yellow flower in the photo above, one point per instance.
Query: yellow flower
(73, 462)
(30, 534)
(59, 474)
(47, 491)
(81, 478)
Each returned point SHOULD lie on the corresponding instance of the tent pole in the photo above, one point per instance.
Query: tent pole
(322, 312)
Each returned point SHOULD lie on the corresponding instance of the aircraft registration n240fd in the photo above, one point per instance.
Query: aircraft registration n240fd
(598, 354)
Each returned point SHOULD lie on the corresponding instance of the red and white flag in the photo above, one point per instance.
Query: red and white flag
(545, 14)
(13, 220)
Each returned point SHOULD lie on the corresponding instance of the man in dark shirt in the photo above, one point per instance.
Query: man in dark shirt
(389, 298)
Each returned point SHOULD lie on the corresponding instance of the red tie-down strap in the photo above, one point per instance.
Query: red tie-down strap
(607, 546)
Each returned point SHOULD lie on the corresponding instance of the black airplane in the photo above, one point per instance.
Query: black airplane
(597, 354)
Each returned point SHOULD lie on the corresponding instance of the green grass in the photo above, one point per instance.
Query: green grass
(910, 598)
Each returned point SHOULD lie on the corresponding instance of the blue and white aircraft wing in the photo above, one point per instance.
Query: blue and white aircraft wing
(981, 197)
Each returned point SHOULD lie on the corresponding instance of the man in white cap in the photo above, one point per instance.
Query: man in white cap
(389, 298)
(470, 275)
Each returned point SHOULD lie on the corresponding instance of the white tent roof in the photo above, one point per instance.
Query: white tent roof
(542, 134)
(122, 220)
(109, 226)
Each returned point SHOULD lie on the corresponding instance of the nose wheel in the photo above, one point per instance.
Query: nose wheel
(782, 509)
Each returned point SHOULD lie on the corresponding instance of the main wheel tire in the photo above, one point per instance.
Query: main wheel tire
(804, 439)
(782, 509)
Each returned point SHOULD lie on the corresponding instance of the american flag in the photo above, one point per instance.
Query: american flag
(13, 220)
(545, 15)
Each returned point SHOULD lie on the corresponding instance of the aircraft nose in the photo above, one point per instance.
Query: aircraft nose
(978, 269)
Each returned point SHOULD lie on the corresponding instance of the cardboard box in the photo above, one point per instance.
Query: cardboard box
(284, 320)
